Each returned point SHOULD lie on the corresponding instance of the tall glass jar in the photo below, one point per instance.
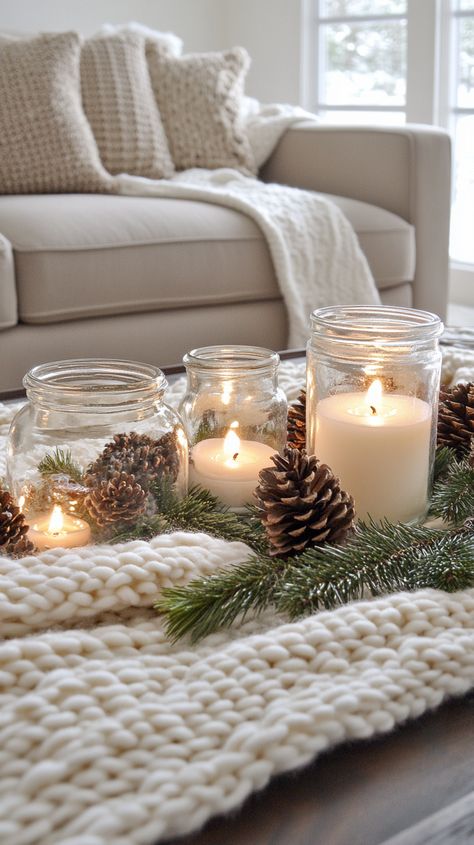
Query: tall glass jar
(373, 376)
(94, 441)
(234, 415)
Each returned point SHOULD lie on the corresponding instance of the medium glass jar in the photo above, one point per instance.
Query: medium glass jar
(94, 441)
(234, 415)
(373, 375)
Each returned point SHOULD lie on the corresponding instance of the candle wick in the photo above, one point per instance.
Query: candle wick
(374, 410)
(234, 457)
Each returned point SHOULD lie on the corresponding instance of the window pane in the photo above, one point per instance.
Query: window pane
(462, 241)
(466, 5)
(338, 8)
(466, 63)
(363, 118)
(363, 64)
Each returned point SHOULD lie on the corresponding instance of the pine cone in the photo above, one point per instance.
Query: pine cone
(302, 504)
(138, 455)
(297, 423)
(119, 499)
(21, 548)
(13, 528)
(456, 417)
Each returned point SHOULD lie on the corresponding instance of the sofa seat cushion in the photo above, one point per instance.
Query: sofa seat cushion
(91, 255)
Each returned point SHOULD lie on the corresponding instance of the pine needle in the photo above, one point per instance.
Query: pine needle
(379, 559)
(60, 462)
(453, 495)
(207, 604)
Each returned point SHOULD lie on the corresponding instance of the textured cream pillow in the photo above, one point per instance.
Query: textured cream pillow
(46, 143)
(167, 41)
(200, 96)
(119, 103)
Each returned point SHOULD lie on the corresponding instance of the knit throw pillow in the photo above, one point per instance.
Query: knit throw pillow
(46, 143)
(120, 106)
(200, 97)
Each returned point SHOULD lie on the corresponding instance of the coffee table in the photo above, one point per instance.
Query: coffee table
(412, 787)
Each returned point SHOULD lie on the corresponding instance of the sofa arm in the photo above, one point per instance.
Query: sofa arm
(406, 170)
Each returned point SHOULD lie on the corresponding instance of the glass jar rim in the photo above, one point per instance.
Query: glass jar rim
(375, 323)
(108, 378)
(232, 357)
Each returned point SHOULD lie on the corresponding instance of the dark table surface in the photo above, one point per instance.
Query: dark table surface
(414, 786)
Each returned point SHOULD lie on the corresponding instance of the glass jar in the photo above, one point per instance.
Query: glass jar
(94, 441)
(373, 376)
(234, 415)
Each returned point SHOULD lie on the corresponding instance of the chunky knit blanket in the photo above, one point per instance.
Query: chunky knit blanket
(315, 251)
(110, 735)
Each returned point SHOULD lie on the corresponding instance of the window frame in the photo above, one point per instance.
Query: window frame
(431, 89)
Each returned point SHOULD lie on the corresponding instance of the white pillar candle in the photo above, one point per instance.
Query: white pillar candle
(59, 530)
(379, 448)
(228, 467)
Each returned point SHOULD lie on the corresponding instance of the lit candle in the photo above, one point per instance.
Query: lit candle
(229, 466)
(58, 530)
(378, 445)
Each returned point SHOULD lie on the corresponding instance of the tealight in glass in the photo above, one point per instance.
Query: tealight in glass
(234, 415)
(90, 450)
(373, 375)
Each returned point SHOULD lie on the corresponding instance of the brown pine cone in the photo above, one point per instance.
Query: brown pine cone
(12, 523)
(138, 455)
(297, 423)
(456, 417)
(21, 548)
(119, 499)
(301, 503)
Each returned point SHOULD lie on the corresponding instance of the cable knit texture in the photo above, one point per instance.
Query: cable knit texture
(110, 734)
(120, 106)
(46, 143)
(315, 251)
(200, 98)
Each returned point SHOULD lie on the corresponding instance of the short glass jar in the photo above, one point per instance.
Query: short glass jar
(373, 375)
(95, 441)
(234, 415)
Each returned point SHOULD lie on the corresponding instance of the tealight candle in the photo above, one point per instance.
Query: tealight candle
(59, 530)
(228, 467)
(379, 447)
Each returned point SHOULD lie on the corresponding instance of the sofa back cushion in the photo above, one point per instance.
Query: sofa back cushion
(119, 103)
(200, 96)
(46, 143)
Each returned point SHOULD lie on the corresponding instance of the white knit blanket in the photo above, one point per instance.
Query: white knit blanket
(315, 252)
(109, 735)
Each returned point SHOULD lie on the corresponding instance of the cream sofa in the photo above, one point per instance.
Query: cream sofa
(148, 279)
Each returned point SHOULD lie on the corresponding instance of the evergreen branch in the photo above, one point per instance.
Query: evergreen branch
(444, 458)
(206, 604)
(60, 462)
(198, 511)
(453, 496)
(378, 559)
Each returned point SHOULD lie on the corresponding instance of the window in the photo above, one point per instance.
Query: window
(392, 61)
(462, 129)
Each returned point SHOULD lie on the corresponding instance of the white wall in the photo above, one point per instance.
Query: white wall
(271, 30)
(199, 22)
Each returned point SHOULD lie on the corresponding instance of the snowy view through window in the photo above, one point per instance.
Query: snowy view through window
(362, 78)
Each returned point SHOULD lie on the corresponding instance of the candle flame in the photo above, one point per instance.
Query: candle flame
(231, 444)
(373, 396)
(56, 521)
